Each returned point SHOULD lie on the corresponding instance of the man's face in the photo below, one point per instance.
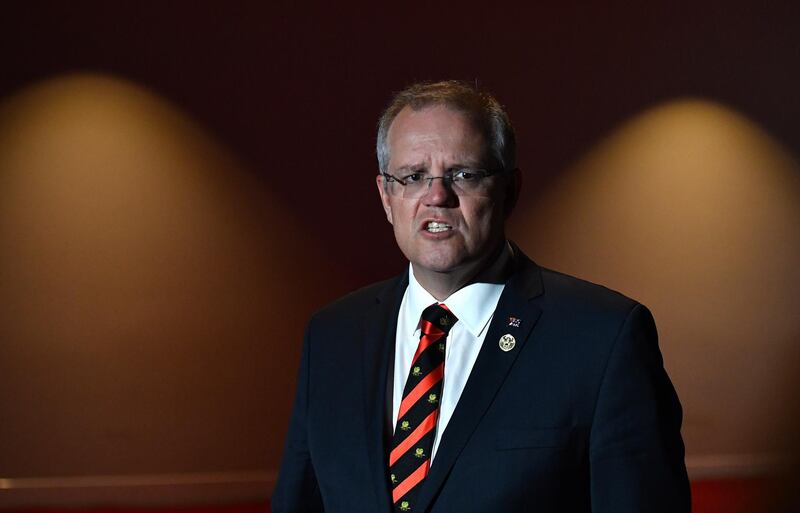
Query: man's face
(435, 140)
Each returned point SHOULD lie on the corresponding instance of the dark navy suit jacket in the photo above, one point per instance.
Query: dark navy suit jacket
(580, 416)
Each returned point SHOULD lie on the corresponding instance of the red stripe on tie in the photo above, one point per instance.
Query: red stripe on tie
(423, 386)
(410, 482)
(423, 429)
(430, 335)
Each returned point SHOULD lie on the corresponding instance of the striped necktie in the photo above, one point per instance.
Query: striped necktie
(415, 430)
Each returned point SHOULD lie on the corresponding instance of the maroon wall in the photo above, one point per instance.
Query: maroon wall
(291, 93)
(295, 89)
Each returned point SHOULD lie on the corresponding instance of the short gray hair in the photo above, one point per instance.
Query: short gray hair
(481, 107)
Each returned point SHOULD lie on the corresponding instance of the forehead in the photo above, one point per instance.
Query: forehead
(434, 133)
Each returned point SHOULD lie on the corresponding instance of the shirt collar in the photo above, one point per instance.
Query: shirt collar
(474, 304)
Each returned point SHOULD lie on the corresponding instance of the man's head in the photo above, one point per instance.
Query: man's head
(481, 107)
(448, 179)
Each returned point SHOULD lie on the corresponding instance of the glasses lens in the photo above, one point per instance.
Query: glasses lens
(472, 183)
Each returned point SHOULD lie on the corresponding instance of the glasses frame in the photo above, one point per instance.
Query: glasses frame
(447, 179)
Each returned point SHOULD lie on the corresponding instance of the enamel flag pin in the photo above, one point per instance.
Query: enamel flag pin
(507, 342)
(514, 322)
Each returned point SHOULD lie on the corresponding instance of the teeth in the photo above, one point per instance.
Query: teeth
(436, 227)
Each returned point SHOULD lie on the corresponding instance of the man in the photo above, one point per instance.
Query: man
(476, 381)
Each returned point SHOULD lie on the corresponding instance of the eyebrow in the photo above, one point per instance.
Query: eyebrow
(415, 168)
(409, 166)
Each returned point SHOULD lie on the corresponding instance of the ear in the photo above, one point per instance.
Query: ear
(513, 186)
(385, 200)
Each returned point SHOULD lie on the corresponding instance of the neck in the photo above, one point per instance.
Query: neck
(492, 269)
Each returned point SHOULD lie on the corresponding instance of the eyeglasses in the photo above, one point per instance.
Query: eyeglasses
(463, 182)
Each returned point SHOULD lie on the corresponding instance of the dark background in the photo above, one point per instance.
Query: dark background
(295, 89)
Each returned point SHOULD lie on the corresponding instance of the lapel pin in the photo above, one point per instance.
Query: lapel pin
(514, 322)
(507, 342)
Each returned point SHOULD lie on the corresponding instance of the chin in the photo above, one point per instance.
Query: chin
(438, 264)
(439, 257)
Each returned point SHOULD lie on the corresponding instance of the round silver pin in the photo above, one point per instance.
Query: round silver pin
(507, 342)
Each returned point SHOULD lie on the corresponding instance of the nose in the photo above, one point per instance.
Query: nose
(440, 193)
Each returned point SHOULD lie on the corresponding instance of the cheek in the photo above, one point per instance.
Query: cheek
(401, 217)
(483, 221)
(395, 211)
(405, 213)
(481, 215)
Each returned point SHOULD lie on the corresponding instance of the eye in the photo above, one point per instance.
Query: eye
(412, 178)
(467, 175)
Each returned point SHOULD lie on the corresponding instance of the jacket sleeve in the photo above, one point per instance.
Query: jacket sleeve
(297, 490)
(635, 449)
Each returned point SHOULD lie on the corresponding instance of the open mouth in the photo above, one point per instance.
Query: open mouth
(437, 227)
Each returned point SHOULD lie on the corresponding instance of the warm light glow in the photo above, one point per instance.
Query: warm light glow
(694, 210)
(154, 292)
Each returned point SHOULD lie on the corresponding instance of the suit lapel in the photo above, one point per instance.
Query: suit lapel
(379, 329)
(489, 373)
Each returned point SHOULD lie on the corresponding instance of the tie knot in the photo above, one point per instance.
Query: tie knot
(439, 316)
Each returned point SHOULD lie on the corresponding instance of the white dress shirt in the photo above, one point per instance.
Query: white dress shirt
(474, 306)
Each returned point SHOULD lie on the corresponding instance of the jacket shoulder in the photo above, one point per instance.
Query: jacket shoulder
(579, 296)
(587, 317)
(358, 301)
